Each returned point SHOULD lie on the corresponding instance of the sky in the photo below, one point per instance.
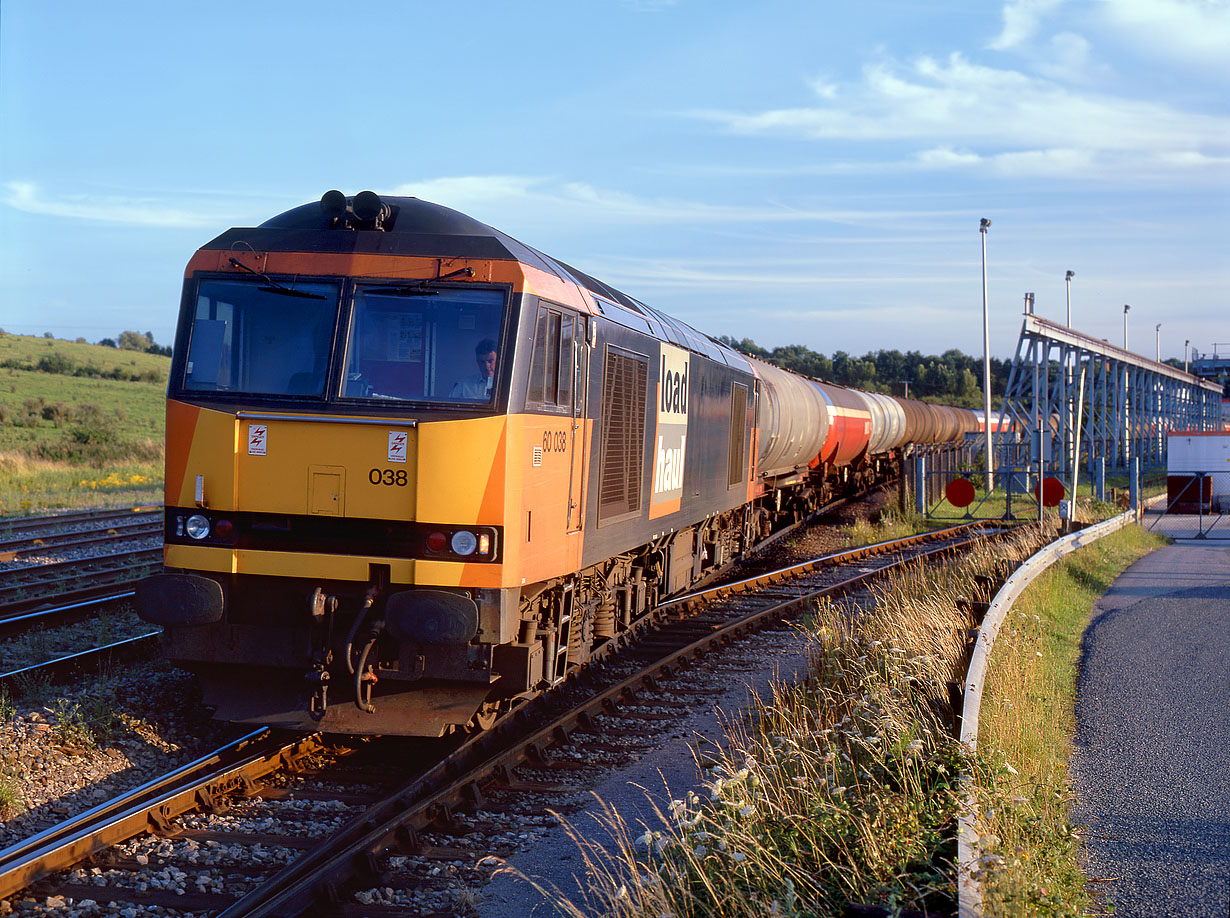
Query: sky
(791, 172)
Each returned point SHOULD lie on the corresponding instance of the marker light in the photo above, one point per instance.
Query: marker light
(464, 542)
(484, 543)
(437, 542)
(198, 526)
(223, 529)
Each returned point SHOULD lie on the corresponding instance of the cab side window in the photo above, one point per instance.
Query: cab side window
(554, 362)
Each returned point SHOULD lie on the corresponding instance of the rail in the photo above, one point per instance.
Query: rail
(148, 806)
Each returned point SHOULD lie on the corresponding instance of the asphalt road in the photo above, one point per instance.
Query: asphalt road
(1151, 768)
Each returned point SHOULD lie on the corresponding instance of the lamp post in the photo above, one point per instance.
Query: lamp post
(986, 359)
(1029, 304)
(1157, 331)
(1068, 371)
(1126, 307)
(1185, 344)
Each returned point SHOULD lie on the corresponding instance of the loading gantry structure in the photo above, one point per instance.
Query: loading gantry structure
(1068, 390)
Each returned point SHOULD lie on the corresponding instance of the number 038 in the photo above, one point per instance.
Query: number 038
(387, 477)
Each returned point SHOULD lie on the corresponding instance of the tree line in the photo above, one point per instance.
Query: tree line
(952, 378)
(137, 341)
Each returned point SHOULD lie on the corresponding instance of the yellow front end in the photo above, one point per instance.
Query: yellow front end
(323, 512)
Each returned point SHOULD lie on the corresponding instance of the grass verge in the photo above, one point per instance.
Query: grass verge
(1031, 864)
(32, 485)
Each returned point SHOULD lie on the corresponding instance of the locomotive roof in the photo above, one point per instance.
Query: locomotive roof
(412, 226)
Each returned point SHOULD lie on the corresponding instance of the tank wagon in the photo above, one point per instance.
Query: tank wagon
(417, 470)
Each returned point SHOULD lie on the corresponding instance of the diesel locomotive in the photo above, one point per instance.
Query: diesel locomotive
(417, 470)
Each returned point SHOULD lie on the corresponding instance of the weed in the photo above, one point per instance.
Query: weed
(31, 686)
(12, 797)
(84, 723)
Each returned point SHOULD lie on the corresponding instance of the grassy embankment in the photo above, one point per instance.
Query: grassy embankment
(1026, 728)
(80, 425)
(845, 789)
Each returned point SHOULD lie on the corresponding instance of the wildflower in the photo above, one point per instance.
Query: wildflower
(747, 810)
(1008, 768)
(739, 857)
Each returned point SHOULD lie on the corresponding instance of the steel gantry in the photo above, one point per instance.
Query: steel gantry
(1063, 382)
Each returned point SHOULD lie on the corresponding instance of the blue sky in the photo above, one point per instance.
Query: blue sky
(792, 172)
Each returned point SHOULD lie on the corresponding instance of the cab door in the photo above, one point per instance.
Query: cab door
(579, 443)
(558, 376)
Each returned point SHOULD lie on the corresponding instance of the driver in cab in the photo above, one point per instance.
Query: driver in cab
(479, 385)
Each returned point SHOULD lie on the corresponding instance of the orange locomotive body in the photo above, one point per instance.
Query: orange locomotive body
(417, 471)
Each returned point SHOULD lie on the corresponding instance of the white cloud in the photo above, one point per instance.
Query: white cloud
(135, 211)
(954, 103)
(1185, 32)
(1021, 20)
(1067, 59)
(511, 201)
(466, 190)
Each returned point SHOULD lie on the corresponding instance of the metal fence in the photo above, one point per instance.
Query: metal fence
(1192, 510)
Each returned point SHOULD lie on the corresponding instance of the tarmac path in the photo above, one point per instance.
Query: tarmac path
(1151, 763)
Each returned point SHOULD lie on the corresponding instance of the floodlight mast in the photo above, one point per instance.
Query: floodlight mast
(986, 359)
(1067, 279)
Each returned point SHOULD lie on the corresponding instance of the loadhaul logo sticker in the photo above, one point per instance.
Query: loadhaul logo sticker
(258, 438)
(397, 446)
(671, 439)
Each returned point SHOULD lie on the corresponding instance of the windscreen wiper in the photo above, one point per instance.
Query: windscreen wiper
(421, 288)
(272, 286)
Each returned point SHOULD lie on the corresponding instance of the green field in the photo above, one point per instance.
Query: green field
(81, 425)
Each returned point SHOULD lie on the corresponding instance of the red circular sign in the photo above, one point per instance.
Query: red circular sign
(960, 492)
(1052, 492)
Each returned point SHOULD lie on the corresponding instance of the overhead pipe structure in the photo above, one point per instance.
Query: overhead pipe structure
(1130, 402)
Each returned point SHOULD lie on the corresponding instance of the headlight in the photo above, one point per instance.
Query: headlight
(197, 526)
(464, 542)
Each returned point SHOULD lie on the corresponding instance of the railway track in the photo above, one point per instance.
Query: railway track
(69, 605)
(389, 841)
(24, 536)
(25, 589)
